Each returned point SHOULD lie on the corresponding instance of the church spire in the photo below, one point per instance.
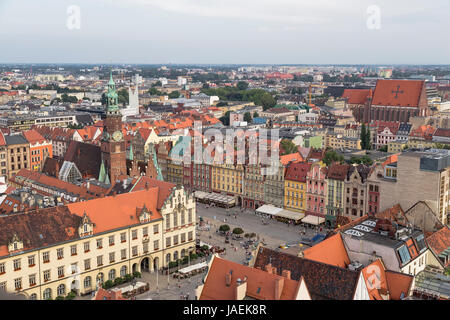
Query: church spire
(112, 101)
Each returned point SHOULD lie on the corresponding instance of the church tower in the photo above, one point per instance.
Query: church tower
(113, 143)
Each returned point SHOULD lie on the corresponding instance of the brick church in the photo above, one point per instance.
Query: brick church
(391, 101)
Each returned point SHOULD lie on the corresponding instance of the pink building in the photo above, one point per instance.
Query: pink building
(316, 190)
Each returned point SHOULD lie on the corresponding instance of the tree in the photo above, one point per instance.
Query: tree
(225, 119)
(224, 228)
(361, 160)
(66, 98)
(157, 84)
(247, 117)
(383, 148)
(242, 85)
(123, 96)
(332, 156)
(238, 231)
(288, 147)
(154, 92)
(363, 136)
(255, 114)
(104, 99)
(174, 95)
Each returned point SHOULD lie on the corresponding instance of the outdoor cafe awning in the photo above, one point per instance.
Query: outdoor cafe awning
(215, 197)
(200, 194)
(290, 215)
(268, 209)
(193, 267)
(310, 219)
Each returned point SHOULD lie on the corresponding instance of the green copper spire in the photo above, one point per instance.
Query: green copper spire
(102, 174)
(130, 154)
(112, 104)
(107, 180)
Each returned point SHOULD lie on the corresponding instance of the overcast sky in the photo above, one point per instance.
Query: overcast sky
(225, 31)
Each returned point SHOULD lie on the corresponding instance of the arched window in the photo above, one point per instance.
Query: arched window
(47, 294)
(123, 271)
(168, 257)
(61, 290)
(100, 278)
(175, 255)
(33, 296)
(87, 282)
(183, 253)
(112, 274)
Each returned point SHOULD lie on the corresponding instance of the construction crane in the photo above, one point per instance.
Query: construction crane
(315, 86)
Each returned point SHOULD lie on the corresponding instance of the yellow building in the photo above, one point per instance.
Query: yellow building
(49, 252)
(337, 141)
(227, 178)
(295, 186)
(396, 146)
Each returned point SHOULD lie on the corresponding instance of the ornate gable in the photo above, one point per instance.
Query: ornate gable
(86, 227)
(15, 244)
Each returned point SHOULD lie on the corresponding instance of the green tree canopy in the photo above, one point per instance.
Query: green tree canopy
(288, 146)
(174, 95)
(123, 96)
(155, 92)
(255, 114)
(225, 119)
(238, 231)
(224, 228)
(247, 117)
(242, 85)
(332, 156)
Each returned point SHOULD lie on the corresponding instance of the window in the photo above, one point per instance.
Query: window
(46, 275)
(16, 264)
(134, 250)
(404, 254)
(190, 233)
(167, 220)
(183, 218)
(60, 272)
(168, 242)
(99, 261)
(32, 279)
(87, 282)
(175, 240)
(183, 237)
(2, 286)
(156, 245)
(123, 237)
(73, 250)
(74, 267)
(2, 268)
(112, 274)
(47, 294)
(33, 296)
(60, 253)
(155, 229)
(123, 271)
(420, 242)
(175, 219)
(99, 244)
(112, 257)
(18, 283)
(123, 254)
(87, 264)
(134, 234)
(111, 240)
(145, 231)
(86, 246)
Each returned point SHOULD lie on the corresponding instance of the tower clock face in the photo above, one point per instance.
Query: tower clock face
(117, 136)
(105, 135)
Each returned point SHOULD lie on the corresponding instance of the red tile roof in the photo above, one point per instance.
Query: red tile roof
(260, 283)
(297, 171)
(404, 93)
(330, 251)
(357, 96)
(439, 241)
(33, 136)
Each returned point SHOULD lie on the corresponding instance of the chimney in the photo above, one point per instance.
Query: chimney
(279, 282)
(286, 274)
(88, 184)
(228, 279)
(269, 268)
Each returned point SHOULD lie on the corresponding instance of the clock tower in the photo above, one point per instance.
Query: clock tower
(113, 143)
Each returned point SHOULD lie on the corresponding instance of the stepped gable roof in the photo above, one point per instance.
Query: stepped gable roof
(324, 281)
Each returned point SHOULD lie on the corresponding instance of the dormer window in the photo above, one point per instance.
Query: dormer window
(15, 244)
(86, 227)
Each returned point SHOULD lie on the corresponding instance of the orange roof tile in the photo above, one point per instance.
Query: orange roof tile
(330, 251)
(404, 93)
